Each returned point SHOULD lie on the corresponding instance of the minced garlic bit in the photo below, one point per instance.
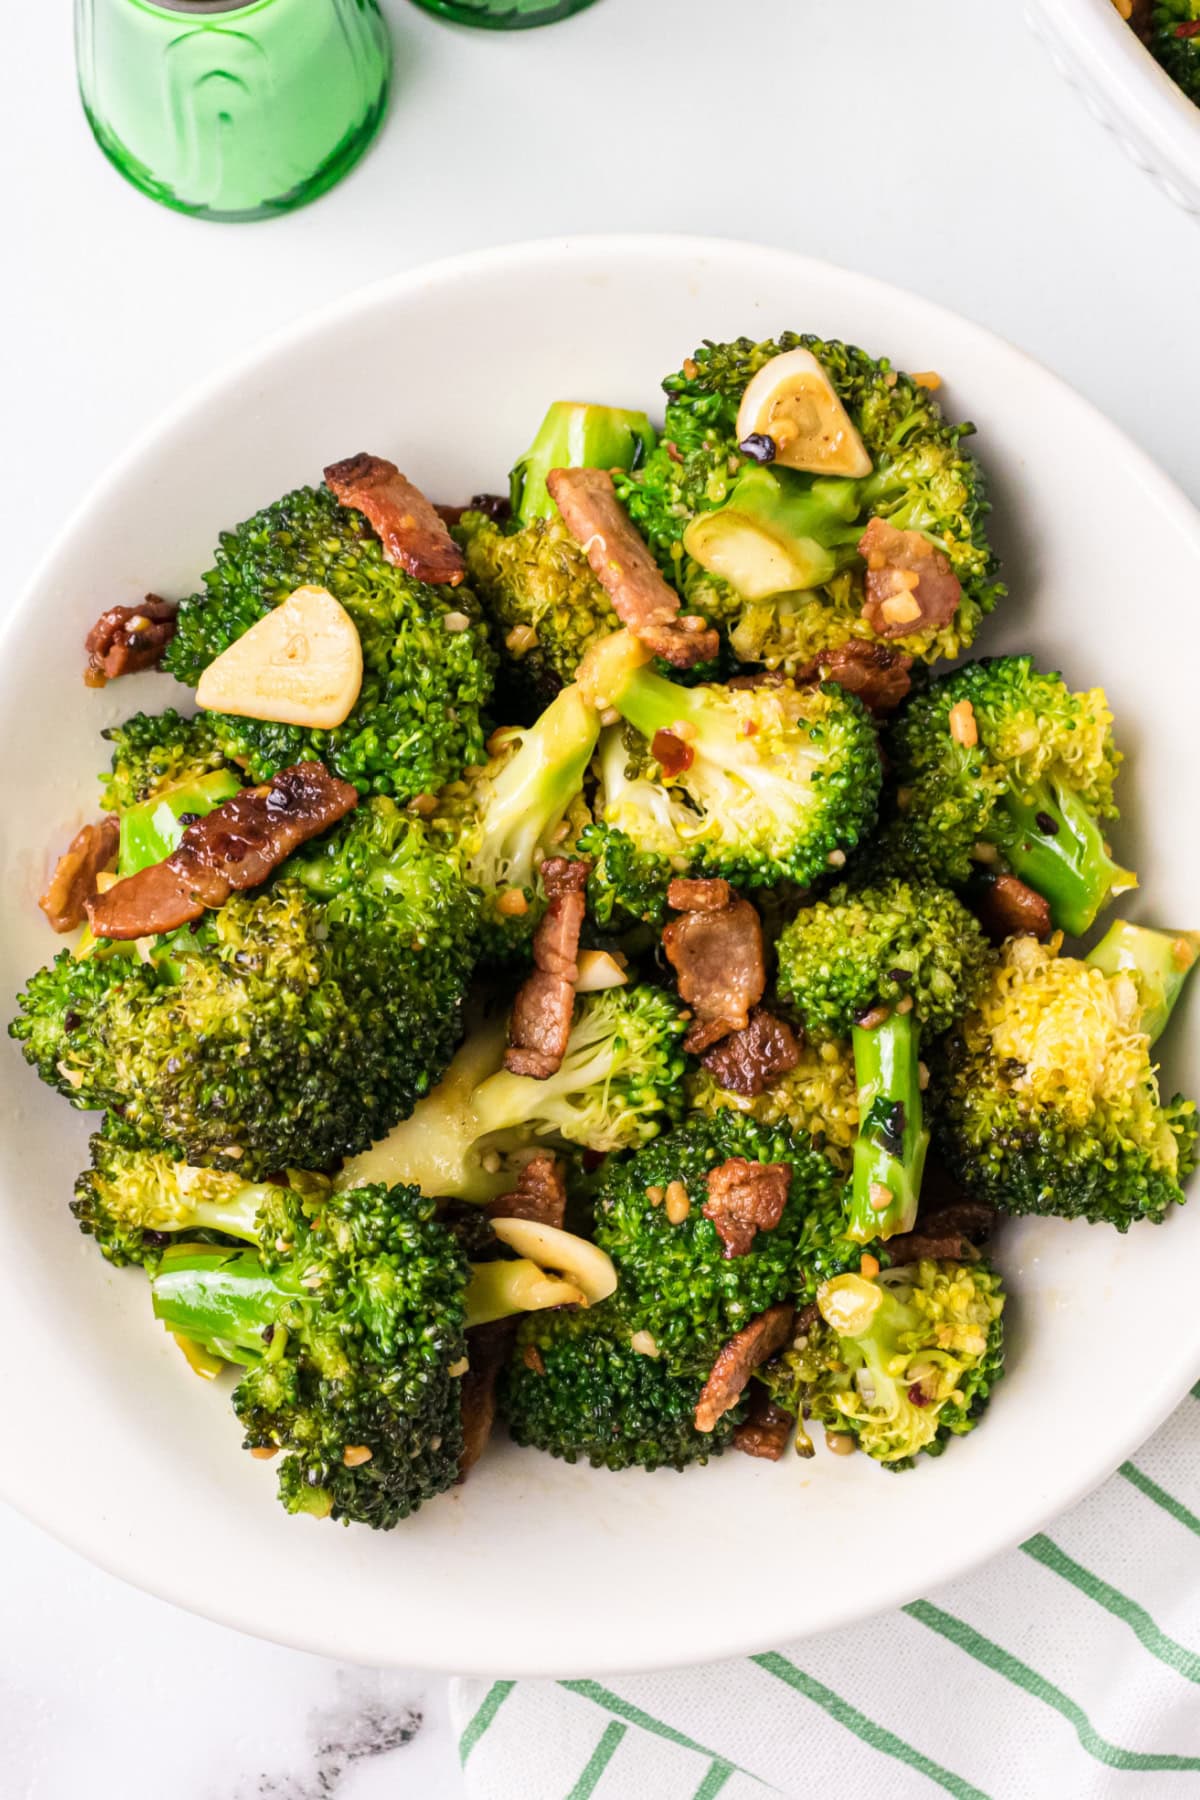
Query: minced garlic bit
(677, 1206)
(901, 609)
(609, 716)
(264, 1452)
(643, 1343)
(654, 1195)
(836, 859)
(922, 1076)
(984, 853)
(840, 1442)
(423, 804)
(963, 728)
(1125, 8)
(512, 903)
(355, 1455)
(691, 367)
(456, 621)
(928, 378)
(868, 1266)
(880, 1196)
(520, 639)
(459, 1368)
(489, 1162)
(905, 1005)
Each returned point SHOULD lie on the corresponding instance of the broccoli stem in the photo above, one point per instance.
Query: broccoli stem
(221, 1299)
(1159, 961)
(779, 532)
(532, 792)
(151, 830)
(574, 435)
(889, 1152)
(1053, 843)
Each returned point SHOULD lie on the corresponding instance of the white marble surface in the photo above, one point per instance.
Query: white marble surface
(928, 142)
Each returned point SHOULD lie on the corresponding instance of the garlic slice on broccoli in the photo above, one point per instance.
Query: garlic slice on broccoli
(792, 402)
(599, 969)
(575, 1258)
(300, 665)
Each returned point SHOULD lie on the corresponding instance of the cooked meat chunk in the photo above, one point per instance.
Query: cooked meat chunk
(408, 526)
(910, 585)
(493, 506)
(745, 1198)
(938, 1245)
(73, 884)
(766, 1429)
(716, 950)
(1006, 907)
(748, 1061)
(235, 847)
(126, 639)
(737, 1361)
(625, 568)
(541, 1016)
(878, 674)
(487, 1347)
(540, 1193)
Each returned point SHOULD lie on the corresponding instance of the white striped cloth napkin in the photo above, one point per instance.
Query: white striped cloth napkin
(1067, 1670)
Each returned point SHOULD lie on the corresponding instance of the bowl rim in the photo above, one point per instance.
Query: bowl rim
(71, 1525)
(1112, 55)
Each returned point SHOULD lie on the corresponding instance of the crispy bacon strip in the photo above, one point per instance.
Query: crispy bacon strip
(408, 526)
(73, 884)
(745, 1198)
(878, 674)
(540, 1193)
(748, 1061)
(233, 848)
(126, 639)
(737, 1361)
(716, 950)
(541, 1016)
(910, 585)
(766, 1429)
(625, 568)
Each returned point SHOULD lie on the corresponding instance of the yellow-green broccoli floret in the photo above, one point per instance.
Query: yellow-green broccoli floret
(901, 1362)
(154, 751)
(818, 1096)
(1046, 1099)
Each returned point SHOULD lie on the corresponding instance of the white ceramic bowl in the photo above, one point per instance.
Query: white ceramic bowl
(1125, 88)
(534, 1566)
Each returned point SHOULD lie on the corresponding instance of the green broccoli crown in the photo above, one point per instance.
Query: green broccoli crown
(135, 1202)
(900, 1363)
(427, 664)
(295, 1025)
(153, 751)
(545, 605)
(884, 943)
(764, 785)
(576, 1388)
(1000, 753)
(923, 480)
(350, 1324)
(1175, 42)
(620, 1082)
(1046, 1099)
(818, 1097)
(675, 1280)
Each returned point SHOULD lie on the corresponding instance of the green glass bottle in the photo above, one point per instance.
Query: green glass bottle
(504, 15)
(233, 109)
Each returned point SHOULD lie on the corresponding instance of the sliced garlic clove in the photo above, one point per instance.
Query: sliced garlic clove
(582, 1263)
(793, 402)
(598, 970)
(300, 665)
(499, 1290)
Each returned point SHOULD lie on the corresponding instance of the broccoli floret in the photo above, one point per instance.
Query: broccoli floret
(295, 1024)
(1000, 757)
(901, 1363)
(351, 1325)
(922, 480)
(619, 1083)
(1046, 1099)
(759, 785)
(576, 1388)
(427, 663)
(546, 606)
(510, 815)
(1174, 41)
(133, 1202)
(819, 1096)
(676, 1282)
(153, 751)
(886, 966)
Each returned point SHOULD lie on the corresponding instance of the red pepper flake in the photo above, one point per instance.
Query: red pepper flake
(1190, 30)
(673, 755)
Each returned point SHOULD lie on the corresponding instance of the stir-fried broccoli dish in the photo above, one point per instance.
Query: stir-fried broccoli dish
(576, 977)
